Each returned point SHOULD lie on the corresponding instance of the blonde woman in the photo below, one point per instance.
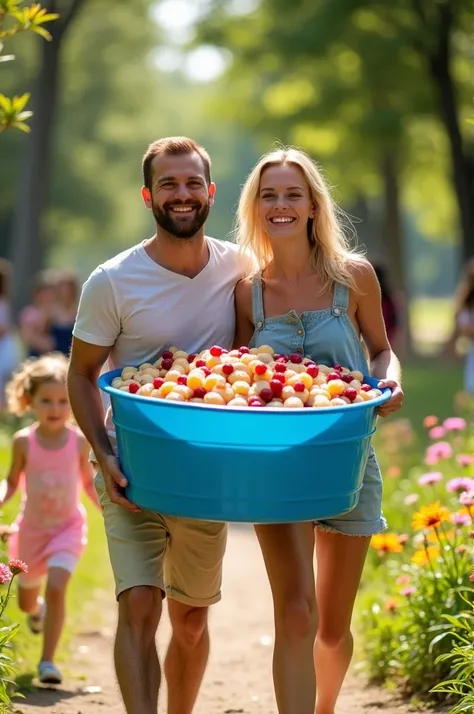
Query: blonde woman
(313, 296)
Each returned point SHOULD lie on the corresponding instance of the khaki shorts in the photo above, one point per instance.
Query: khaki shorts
(182, 557)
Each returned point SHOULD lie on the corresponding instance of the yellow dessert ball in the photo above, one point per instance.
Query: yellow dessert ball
(239, 376)
(355, 384)
(289, 374)
(213, 361)
(357, 375)
(358, 400)
(237, 402)
(266, 358)
(253, 351)
(173, 375)
(247, 358)
(166, 388)
(336, 387)
(212, 380)
(233, 353)
(287, 392)
(145, 365)
(338, 402)
(214, 398)
(146, 390)
(266, 349)
(240, 387)
(306, 379)
(124, 389)
(324, 369)
(182, 363)
(173, 350)
(196, 400)
(117, 382)
(180, 354)
(321, 401)
(275, 403)
(185, 391)
(320, 379)
(218, 369)
(293, 403)
(175, 397)
(128, 372)
(145, 379)
(156, 394)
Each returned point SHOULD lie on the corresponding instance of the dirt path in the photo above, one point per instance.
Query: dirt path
(238, 678)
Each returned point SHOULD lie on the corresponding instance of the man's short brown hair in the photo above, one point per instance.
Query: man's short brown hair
(174, 146)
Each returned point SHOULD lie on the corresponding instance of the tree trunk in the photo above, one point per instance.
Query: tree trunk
(395, 252)
(27, 244)
(462, 164)
(27, 238)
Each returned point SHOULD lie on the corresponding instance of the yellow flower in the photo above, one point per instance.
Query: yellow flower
(386, 543)
(430, 516)
(425, 555)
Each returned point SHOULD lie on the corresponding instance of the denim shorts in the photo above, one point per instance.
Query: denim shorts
(366, 519)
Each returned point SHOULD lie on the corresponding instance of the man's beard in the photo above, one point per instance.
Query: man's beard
(181, 226)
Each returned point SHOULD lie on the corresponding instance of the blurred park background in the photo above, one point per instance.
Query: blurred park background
(379, 92)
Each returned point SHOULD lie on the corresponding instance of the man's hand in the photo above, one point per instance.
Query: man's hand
(396, 400)
(115, 481)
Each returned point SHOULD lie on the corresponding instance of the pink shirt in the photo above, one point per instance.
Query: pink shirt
(52, 483)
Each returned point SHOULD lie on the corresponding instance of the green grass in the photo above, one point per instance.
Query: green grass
(92, 576)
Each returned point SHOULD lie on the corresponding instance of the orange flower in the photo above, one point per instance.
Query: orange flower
(430, 421)
(390, 605)
(386, 543)
(425, 555)
(430, 516)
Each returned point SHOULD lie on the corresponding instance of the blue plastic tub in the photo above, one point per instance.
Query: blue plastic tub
(241, 464)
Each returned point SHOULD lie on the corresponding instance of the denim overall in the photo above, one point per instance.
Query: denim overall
(329, 337)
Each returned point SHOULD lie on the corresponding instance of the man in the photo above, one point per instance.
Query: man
(173, 289)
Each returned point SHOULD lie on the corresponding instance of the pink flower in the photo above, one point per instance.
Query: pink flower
(471, 577)
(403, 580)
(460, 519)
(458, 485)
(454, 424)
(5, 574)
(437, 432)
(411, 499)
(17, 567)
(462, 550)
(408, 591)
(438, 451)
(464, 459)
(430, 478)
(430, 421)
(467, 498)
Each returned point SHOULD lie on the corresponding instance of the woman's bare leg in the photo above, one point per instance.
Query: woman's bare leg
(288, 551)
(340, 561)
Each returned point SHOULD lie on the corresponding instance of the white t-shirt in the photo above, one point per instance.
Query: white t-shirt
(138, 308)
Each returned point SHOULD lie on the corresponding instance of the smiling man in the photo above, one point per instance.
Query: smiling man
(176, 288)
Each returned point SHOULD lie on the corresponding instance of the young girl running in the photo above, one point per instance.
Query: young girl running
(316, 298)
(50, 463)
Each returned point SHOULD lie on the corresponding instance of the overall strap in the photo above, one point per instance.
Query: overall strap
(257, 301)
(340, 301)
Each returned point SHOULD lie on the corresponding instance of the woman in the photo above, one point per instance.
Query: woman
(64, 311)
(316, 297)
(35, 318)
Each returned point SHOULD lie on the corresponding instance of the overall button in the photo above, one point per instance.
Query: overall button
(298, 349)
(259, 325)
(300, 331)
(336, 311)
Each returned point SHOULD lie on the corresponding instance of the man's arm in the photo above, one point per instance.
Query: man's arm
(84, 369)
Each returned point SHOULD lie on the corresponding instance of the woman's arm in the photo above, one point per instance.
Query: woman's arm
(244, 327)
(9, 486)
(87, 471)
(384, 363)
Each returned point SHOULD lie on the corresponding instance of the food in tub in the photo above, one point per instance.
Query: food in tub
(244, 377)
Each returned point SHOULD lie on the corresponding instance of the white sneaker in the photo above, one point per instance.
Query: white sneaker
(49, 673)
(36, 622)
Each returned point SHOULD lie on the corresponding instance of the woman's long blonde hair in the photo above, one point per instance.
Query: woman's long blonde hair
(330, 248)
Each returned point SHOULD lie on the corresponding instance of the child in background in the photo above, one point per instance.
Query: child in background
(50, 464)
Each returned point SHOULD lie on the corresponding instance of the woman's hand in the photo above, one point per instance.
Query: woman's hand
(396, 400)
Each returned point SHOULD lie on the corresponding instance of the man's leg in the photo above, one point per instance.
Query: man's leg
(136, 658)
(193, 575)
(187, 656)
(137, 544)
